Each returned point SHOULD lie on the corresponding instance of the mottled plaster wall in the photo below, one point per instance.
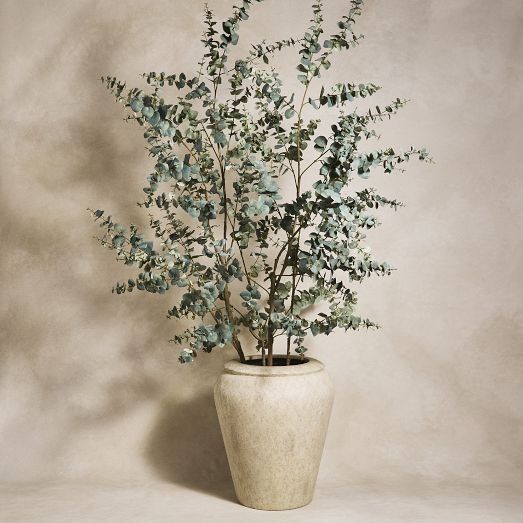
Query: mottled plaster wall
(90, 388)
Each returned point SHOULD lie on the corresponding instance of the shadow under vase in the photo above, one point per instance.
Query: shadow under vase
(186, 447)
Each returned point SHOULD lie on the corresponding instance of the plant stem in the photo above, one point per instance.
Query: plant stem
(270, 328)
(298, 186)
(230, 314)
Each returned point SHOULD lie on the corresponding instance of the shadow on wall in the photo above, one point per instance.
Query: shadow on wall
(186, 446)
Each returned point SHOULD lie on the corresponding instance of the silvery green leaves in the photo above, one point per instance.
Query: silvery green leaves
(345, 38)
(205, 337)
(239, 251)
(114, 86)
(187, 356)
(202, 210)
(342, 93)
(309, 297)
(251, 298)
(388, 159)
(230, 271)
(259, 207)
(308, 67)
(198, 302)
(151, 110)
(209, 336)
(314, 55)
(320, 143)
(230, 26)
(268, 185)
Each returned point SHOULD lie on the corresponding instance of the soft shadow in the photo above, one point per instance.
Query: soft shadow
(186, 446)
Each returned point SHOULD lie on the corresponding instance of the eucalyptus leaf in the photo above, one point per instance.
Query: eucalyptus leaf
(320, 143)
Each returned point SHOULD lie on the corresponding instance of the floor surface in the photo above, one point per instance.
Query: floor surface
(164, 502)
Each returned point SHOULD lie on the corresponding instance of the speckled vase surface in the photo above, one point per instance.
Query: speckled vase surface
(274, 421)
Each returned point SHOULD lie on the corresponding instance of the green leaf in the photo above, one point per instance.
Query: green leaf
(147, 111)
(136, 105)
(154, 119)
(219, 138)
(187, 356)
(302, 78)
(320, 143)
(118, 241)
(246, 295)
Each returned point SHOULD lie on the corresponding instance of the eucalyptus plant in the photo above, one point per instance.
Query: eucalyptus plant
(245, 255)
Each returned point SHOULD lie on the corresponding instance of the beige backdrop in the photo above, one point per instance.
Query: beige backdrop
(90, 388)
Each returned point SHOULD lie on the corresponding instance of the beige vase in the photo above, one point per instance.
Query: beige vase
(274, 421)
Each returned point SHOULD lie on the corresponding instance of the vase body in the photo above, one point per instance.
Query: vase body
(274, 422)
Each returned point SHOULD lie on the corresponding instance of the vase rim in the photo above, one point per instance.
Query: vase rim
(310, 366)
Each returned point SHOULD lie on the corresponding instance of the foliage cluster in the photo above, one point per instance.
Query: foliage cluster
(243, 256)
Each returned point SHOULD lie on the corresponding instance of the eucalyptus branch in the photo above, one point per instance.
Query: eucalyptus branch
(315, 161)
(238, 146)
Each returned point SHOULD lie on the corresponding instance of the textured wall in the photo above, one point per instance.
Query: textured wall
(89, 386)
